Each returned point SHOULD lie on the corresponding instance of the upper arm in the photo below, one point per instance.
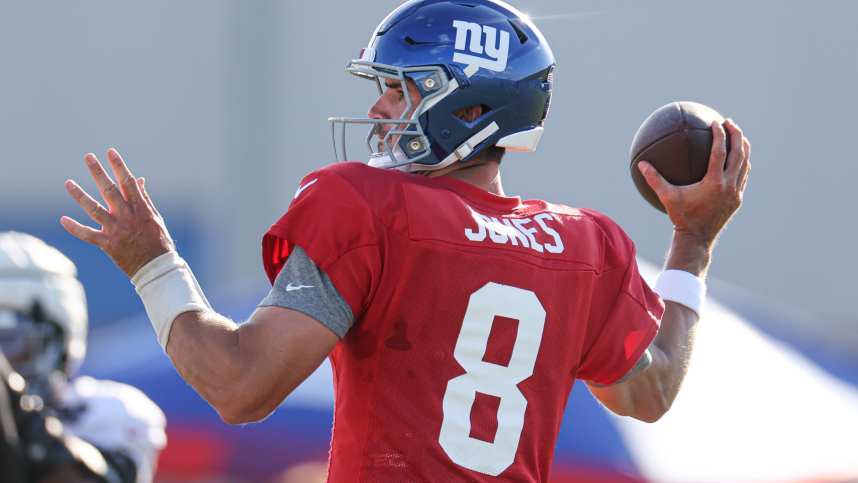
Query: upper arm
(618, 398)
(323, 258)
(283, 347)
(337, 230)
(621, 396)
(624, 314)
(649, 393)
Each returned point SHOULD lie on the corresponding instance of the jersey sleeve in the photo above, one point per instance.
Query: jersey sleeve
(336, 228)
(625, 313)
(318, 298)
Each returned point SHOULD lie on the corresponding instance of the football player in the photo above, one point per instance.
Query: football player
(457, 318)
(69, 429)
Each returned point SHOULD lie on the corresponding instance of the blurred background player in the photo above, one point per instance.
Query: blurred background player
(457, 318)
(66, 428)
(11, 458)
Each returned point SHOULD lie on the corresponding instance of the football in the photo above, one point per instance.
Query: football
(677, 140)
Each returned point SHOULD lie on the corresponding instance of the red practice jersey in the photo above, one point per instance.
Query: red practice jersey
(474, 315)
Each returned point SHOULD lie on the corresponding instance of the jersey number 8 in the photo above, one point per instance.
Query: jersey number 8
(491, 379)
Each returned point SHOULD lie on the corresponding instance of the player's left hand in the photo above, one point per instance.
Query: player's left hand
(132, 231)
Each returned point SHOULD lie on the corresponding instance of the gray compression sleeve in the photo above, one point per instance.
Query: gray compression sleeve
(302, 286)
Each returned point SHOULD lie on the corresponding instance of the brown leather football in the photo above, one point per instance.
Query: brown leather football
(677, 140)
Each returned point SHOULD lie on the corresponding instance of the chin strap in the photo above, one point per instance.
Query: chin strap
(462, 152)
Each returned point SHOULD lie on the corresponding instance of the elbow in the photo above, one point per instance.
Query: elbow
(231, 411)
(646, 413)
(649, 416)
(247, 405)
(232, 402)
(236, 417)
(652, 408)
(239, 412)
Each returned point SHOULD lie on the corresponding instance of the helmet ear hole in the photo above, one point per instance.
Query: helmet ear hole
(472, 113)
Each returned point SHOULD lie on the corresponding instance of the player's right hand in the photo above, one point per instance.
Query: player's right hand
(132, 231)
(701, 210)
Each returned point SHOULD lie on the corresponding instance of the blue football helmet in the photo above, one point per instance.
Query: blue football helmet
(458, 54)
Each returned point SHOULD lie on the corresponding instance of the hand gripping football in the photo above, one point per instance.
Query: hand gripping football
(677, 140)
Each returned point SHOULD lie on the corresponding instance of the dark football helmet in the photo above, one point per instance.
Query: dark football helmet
(459, 54)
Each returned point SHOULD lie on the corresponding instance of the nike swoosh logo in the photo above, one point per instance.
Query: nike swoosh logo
(302, 188)
(292, 288)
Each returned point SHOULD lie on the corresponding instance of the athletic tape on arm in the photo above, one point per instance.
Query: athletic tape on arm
(683, 288)
(168, 288)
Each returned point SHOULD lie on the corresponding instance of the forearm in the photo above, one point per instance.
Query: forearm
(672, 347)
(699, 212)
(690, 253)
(243, 372)
(204, 347)
(674, 343)
(651, 392)
(246, 372)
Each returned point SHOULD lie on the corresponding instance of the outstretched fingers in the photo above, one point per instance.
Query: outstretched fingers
(85, 233)
(92, 207)
(106, 187)
(127, 182)
(141, 182)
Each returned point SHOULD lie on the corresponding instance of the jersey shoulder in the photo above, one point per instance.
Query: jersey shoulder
(344, 192)
(605, 223)
(358, 181)
(339, 209)
(114, 416)
(619, 248)
(592, 228)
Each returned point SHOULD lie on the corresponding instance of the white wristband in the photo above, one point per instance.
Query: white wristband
(168, 288)
(683, 288)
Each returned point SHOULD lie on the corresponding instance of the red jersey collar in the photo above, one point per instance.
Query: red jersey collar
(475, 194)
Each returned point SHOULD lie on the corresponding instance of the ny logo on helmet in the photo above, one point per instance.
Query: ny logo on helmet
(492, 55)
